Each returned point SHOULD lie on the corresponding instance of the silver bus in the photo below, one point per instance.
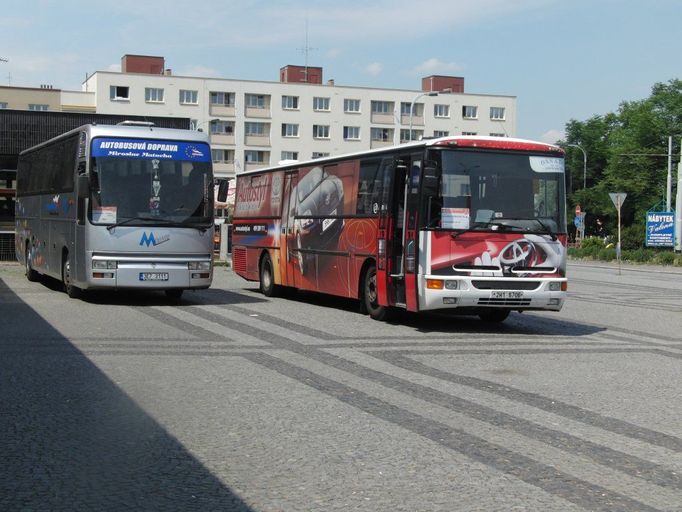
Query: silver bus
(128, 206)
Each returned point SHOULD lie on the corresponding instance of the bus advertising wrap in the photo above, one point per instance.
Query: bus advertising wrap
(143, 148)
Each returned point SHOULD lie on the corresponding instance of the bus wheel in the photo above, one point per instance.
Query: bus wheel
(31, 274)
(370, 298)
(71, 290)
(494, 315)
(174, 293)
(267, 278)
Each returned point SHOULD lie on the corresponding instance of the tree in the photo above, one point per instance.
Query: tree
(622, 153)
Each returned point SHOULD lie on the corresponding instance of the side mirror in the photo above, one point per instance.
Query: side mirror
(83, 186)
(223, 188)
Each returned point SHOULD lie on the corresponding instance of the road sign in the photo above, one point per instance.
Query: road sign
(618, 198)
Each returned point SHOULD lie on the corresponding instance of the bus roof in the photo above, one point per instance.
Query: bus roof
(462, 141)
(129, 131)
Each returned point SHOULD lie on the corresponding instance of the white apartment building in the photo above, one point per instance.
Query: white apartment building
(254, 124)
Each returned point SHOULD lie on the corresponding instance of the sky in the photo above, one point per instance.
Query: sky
(561, 59)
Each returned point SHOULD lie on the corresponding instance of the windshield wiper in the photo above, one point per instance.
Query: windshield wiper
(163, 222)
(494, 226)
(547, 229)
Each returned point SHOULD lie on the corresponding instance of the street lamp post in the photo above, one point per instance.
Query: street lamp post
(584, 164)
(430, 93)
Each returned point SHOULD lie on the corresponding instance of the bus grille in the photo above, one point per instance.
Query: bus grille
(239, 259)
(504, 302)
(505, 285)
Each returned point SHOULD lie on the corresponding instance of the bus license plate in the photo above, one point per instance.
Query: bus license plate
(506, 295)
(153, 276)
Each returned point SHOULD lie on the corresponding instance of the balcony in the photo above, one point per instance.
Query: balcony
(221, 110)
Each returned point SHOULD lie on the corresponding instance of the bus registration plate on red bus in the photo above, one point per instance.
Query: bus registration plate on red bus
(506, 295)
(153, 276)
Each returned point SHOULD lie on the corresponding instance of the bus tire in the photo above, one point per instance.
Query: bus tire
(71, 290)
(31, 274)
(266, 276)
(370, 299)
(494, 315)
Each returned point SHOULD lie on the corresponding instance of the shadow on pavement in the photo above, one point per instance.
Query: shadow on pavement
(70, 439)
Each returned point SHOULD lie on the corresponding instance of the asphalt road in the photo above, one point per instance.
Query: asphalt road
(232, 401)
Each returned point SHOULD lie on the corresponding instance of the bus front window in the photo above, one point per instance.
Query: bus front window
(128, 190)
(498, 191)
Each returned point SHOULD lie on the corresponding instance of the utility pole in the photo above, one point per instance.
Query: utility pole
(669, 180)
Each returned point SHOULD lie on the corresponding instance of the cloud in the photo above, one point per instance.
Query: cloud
(433, 65)
(552, 136)
(333, 53)
(374, 69)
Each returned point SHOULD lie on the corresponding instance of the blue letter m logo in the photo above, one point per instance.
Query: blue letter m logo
(147, 239)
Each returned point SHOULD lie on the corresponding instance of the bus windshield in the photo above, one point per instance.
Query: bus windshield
(497, 191)
(140, 191)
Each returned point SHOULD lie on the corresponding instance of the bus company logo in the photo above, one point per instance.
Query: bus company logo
(53, 205)
(151, 239)
(193, 152)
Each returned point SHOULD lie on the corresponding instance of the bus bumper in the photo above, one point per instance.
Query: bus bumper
(517, 294)
(130, 273)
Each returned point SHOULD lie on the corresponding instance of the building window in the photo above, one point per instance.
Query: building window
(497, 113)
(351, 106)
(289, 130)
(251, 156)
(469, 112)
(469, 133)
(320, 131)
(189, 97)
(290, 102)
(289, 155)
(440, 133)
(441, 111)
(382, 107)
(321, 104)
(3, 104)
(406, 108)
(119, 92)
(222, 99)
(255, 129)
(222, 127)
(255, 101)
(221, 156)
(416, 135)
(153, 95)
(381, 134)
(351, 133)
(497, 135)
(38, 106)
(318, 154)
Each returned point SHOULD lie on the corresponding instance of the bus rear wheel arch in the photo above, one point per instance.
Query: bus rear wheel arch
(67, 277)
(31, 274)
(266, 276)
(369, 297)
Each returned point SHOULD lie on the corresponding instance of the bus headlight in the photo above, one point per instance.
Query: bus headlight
(555, 286)
(199, 265)
(451, 285)
(104, 264)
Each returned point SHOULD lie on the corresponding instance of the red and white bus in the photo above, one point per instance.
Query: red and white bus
(475, 225)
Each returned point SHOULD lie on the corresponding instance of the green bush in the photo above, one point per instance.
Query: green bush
(592, 241)
(637, 255)
(633, 237)
(666, 258)
(606, 254)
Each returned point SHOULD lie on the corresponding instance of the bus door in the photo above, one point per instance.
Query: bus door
(410, 249)
(396, 233)
(291, 257)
